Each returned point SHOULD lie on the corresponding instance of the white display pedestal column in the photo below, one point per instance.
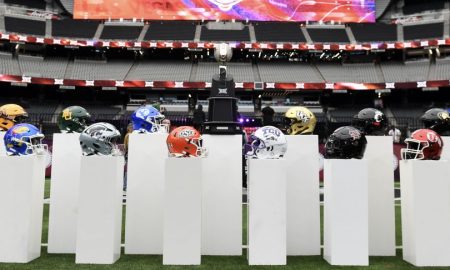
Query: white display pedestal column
(446, 150)
(145, 189)
(425, 188)
(2, 144)
(100, 210)
(267, 212)
(379, 155)
(222, 193)
(182, 211)
(303, 195)
(346, 212)
(62, 228)
(21, 207)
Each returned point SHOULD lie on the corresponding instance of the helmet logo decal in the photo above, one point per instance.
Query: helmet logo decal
(355, 134)
(433, 138)
(142, 113)
(444, 115)
(271, 131)
(67, 114)
(20, 130)
(302, 116)
(185, 133)
(225, 5)
(378, 116)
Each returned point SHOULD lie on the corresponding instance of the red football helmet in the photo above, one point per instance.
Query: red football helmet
(185, 142)
(424, 144)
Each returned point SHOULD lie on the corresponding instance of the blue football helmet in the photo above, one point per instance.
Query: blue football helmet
(24, 139)
(147, 119)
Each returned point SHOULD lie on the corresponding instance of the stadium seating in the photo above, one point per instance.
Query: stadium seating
(358, 73)
(160, 71)
(39, 67)
(98, 70)
(9, 65)
(409, 71)
(441, 70)
(289, 72)
(241, 72)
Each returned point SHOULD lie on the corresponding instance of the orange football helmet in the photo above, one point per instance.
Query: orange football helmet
(11, 114)
(185, 142)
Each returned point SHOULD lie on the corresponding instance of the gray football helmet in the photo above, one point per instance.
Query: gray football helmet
(100, 139)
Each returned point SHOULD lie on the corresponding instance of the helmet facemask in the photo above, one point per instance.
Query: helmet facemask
(414, 149)
(198, 142)
(33, 144)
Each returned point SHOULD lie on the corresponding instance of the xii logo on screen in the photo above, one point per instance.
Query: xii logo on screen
(225, 5)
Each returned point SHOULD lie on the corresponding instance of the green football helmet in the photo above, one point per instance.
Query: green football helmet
(73, 119)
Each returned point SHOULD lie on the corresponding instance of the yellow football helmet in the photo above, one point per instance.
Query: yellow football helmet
(300, 120)
(11, 114)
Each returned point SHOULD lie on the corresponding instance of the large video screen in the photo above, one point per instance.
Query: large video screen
(253, 10)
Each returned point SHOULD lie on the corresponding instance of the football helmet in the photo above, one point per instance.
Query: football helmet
(147, 119)
(11, 114)
(185, 141)
(370, 121)
(436, 119)
(267, 142)
(73, 119)
(100, 139)
(425, 144)
(300, 120)
(24, 139)
(345, 143)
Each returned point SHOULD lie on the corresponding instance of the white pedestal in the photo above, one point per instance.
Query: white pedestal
(2, 144)
(381, 195)
(222, 193)
(303, 196)
(425, 188)
(346, 212)
(62, 228)
(21, 207)
(182, 211)
(267, 212)
(446, 150)
(145, 190)
(100, 210)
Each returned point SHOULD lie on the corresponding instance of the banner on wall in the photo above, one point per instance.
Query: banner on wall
(253, 10)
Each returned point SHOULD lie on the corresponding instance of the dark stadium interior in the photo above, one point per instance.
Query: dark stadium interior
(270, 31)
(328, 35)
(374, 32)
(74, 28)
(432, 30)
(121, 32)
(165, 30)
(225, 35)
(284, 65)
(24, 26)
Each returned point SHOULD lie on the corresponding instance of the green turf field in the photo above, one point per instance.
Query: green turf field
(61, 262)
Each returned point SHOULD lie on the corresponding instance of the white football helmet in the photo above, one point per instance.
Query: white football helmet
(267, 143)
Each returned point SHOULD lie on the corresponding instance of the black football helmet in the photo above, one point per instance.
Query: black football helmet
(345, 143)
(437, 120)
(370, 121)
